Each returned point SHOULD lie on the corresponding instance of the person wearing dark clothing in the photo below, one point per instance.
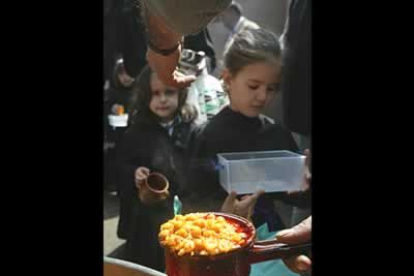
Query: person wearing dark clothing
(297, 75)
(158, 140)
(124, 36)
(167, 21)
(245, 134)
(117, 102)
(150, 145)
(297, 99)
(202, 42)
(252, 74)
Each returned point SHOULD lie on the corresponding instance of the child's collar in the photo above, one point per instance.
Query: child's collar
(169, 126)
(176, 120)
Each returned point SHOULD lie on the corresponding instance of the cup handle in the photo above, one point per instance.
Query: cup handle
(166, 195)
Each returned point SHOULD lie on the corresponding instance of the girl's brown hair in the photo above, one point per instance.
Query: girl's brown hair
(251, 46)
(141, 99)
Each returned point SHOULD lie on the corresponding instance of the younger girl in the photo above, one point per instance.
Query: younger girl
(158, 139)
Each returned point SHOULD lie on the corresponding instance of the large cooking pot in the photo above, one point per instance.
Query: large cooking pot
(116, 267)
(236, 262)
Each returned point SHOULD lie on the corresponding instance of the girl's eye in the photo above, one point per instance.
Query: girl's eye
(169, 92)
(273, 88)
(253, 87)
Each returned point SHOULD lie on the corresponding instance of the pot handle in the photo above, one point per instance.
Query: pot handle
(262, 251)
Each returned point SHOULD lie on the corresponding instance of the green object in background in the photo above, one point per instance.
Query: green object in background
(178, 206)
(269, 268)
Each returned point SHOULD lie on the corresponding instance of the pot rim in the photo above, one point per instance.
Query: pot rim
(167, 186)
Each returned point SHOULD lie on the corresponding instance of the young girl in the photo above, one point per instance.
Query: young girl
(117, 98)
(251, 77)
(161, 131)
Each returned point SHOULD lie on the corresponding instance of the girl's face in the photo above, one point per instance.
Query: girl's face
(164, 100)
(253, 87)
(125, 79)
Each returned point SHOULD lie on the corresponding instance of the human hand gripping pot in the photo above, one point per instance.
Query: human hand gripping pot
(298, 234)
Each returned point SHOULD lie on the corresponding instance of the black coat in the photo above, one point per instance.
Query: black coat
(148, 144)
(229, 131)
(297, 74)
(124, 36)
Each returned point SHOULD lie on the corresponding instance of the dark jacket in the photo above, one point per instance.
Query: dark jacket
(229, 131)
(148, 144)
(297, 74)
(124, 36)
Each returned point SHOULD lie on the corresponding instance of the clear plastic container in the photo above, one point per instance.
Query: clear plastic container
(272, 171)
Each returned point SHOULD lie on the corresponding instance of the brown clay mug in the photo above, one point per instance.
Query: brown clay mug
(154, 189)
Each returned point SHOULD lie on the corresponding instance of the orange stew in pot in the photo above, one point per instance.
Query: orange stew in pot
(202, 234)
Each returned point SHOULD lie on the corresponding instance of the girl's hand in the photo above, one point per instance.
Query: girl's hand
(141, 174)
(243, 207)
